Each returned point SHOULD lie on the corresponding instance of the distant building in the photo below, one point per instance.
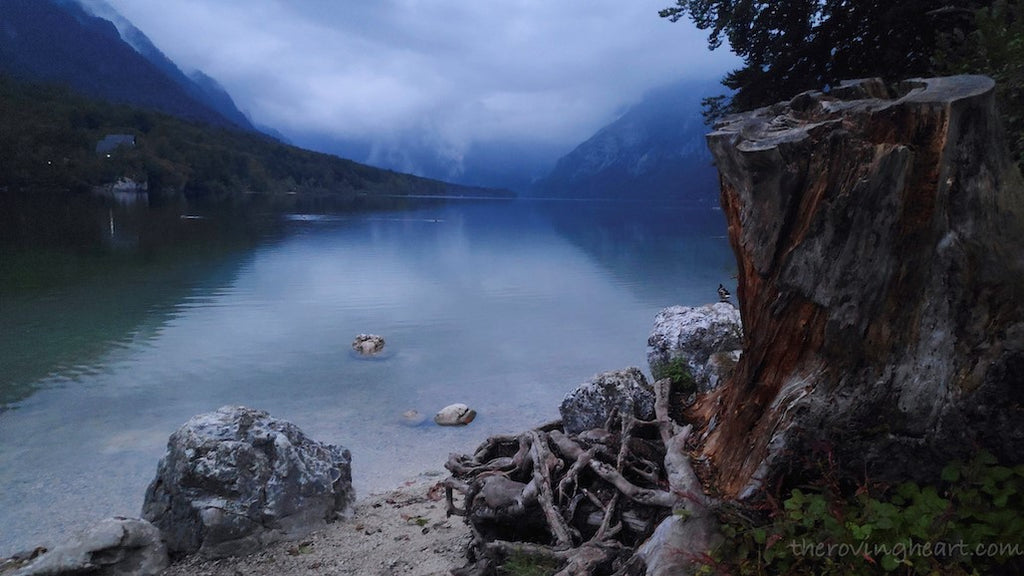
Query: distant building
(114, 141)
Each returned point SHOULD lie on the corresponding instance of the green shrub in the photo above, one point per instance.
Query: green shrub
(972, 523)
(678, 371)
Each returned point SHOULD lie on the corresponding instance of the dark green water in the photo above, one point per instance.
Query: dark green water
(118, 323)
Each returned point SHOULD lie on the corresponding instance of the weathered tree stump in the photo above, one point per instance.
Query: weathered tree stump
(879, 236)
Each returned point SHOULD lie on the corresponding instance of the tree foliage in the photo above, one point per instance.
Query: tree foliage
(994, 46)
(789, 46)
(49, 138)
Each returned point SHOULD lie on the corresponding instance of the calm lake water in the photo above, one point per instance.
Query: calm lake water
(115, 331)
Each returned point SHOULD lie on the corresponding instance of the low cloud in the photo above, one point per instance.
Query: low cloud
(549, 71)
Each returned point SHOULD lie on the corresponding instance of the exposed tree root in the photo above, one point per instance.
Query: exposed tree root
(586, 502)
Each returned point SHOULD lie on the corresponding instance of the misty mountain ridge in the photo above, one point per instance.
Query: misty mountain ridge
(198, 84)
(71, 78)
(95, 51)
(503, 165)
(655, 151)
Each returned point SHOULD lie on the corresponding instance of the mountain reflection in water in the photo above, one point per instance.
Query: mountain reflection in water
(107, 347)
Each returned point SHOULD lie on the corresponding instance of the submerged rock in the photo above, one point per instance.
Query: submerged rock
(879, 233)
(455, 415)
(368, 344)
(590, 404)
(705, 337)
(237, 479)
(412, 418)
(112, 547)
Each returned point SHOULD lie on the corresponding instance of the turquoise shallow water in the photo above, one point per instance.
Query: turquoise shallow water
(505, 306)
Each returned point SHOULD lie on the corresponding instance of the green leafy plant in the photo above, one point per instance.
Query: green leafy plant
(417, 520)
(971, 523)
(678, 371)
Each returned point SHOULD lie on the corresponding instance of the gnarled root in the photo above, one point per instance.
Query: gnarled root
(587, 502)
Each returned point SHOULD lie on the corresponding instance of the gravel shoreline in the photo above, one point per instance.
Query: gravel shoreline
(403, 532)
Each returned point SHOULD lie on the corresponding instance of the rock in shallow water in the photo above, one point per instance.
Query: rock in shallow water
(368, 344)
(112, 547)
(455, 415)
(237, 479)
(590, 404)
(412, 418)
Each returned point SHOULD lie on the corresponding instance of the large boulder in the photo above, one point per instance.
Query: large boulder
(112, 547)
(237, 479)
(878, 234)
(707, 339)
(590, 404)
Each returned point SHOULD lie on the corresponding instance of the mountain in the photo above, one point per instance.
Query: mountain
(507, 165)
(60, 42)
(655, 151)
(213, 94)
(197, 84)
(53, 141)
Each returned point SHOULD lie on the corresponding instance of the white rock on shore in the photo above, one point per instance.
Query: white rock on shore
(121, 546)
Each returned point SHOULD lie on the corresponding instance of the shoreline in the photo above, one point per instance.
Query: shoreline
(403, 530)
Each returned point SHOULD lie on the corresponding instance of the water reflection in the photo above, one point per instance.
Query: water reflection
(503, 306)
(81, 276)
(656, 250)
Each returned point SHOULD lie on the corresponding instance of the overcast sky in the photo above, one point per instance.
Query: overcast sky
(461, 71)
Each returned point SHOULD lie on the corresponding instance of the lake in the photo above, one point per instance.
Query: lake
(125, 320)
